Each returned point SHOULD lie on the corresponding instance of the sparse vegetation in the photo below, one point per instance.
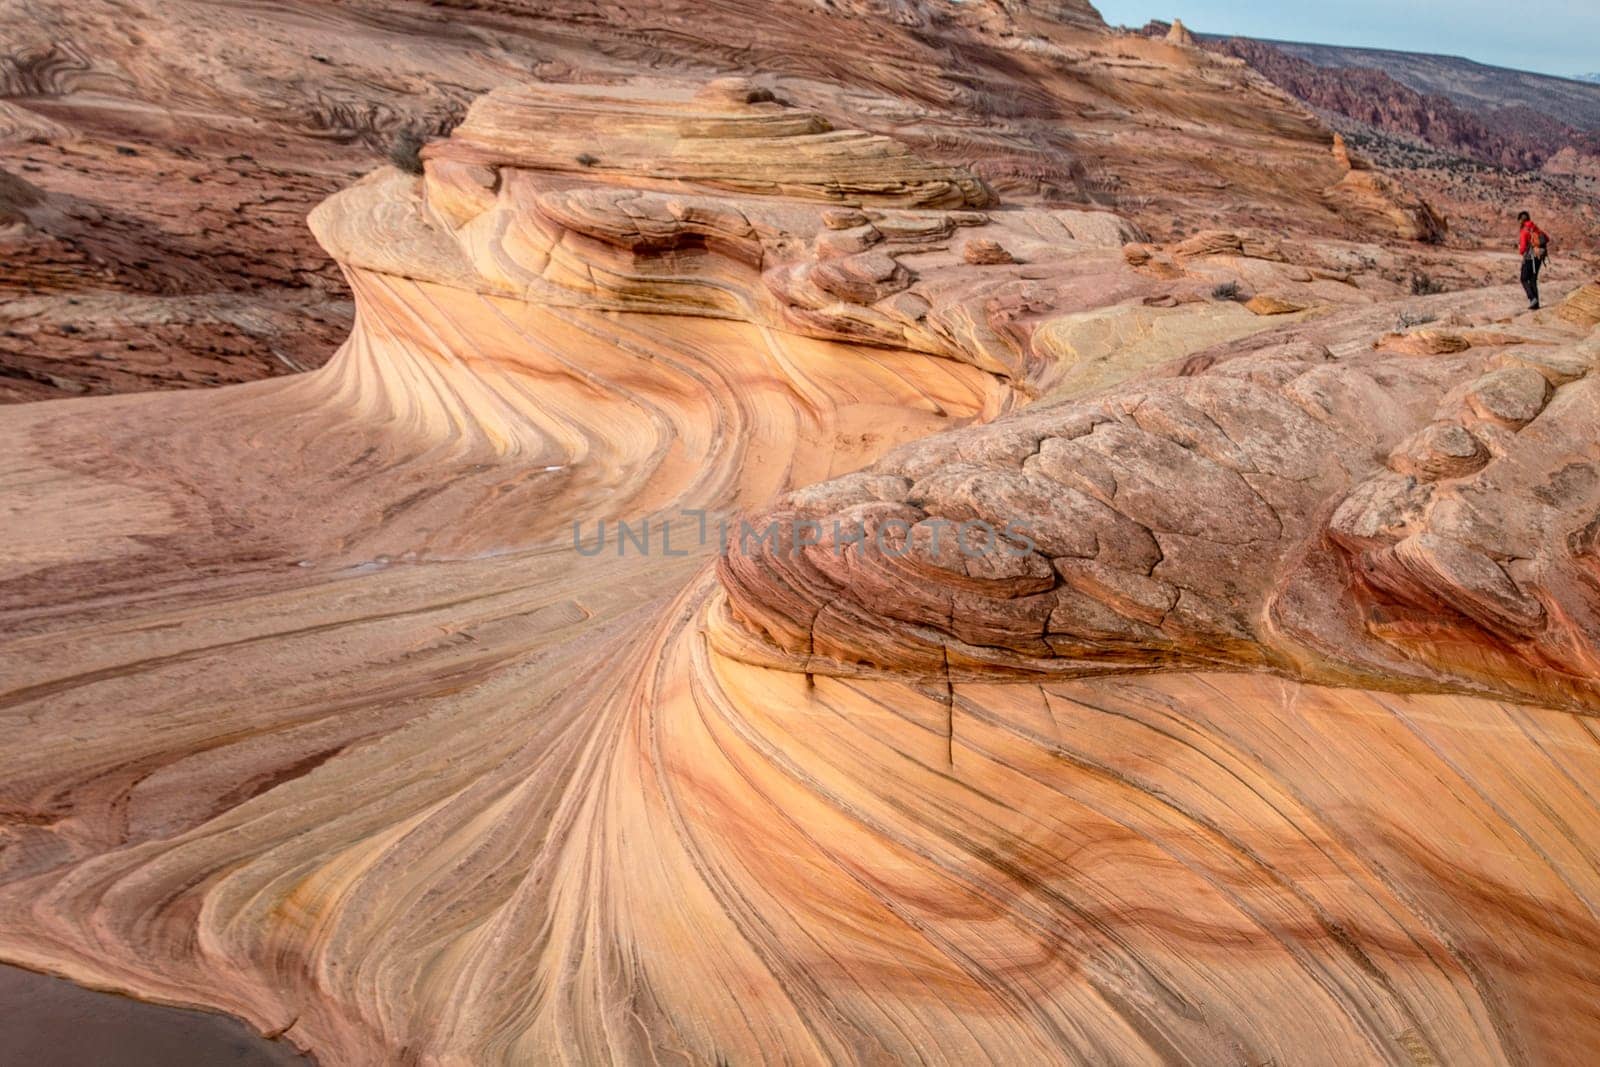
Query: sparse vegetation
(1408, 319)
(1423, 284)
(586, 159)
(1100, 180)
(405, 143)
(405, 149)
(1225, 291)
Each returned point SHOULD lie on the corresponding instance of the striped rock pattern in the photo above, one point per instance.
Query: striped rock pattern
(180, 144)
(329, 701)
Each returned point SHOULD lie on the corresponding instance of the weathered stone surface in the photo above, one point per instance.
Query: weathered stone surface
(1056, 111)
(1512, 396)
(1229, 475)
(17, 199)
(1267, 304)
(1424, 342)
(1582, 306)
(1441, 450)
(1380, 202)
(1085, 680)
(982, 251)
(1210, 243)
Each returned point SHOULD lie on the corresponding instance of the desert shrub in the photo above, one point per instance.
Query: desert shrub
(405, 149)
(1226, 291)
(1407, 319)
(448, 119)
(1425, 285)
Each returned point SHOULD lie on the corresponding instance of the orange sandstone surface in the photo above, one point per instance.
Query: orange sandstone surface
(1252, 721)
(174, 149)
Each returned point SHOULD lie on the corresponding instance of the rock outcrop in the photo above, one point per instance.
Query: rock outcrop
(1268, 304)
(1582, 306)
(1380, 202)
(752, 589)
(729, 204)
(1152, 527)
(18, 200)
(179, 219)
(1569, 160)
(1477, 142)
(1179, 34)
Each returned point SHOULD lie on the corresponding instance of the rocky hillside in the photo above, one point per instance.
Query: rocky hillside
(174, 149)
(1516, 137)
(1479, 163)
(1472, 85)
(1520, 130)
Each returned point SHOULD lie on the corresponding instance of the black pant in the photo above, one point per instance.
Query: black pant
(1530, 278)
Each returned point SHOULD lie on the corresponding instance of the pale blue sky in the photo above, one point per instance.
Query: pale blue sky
(1550, 36)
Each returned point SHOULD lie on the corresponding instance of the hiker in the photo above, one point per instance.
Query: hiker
(1534, 247)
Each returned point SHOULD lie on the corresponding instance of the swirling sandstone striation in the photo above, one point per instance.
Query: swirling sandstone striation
(1379, 201)
(1409, 522)
(317, 714)
(182, 143)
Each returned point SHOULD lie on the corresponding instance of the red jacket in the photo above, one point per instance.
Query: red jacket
(1529, 237)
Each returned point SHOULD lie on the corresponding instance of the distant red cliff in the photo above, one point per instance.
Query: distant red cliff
(1517, 137)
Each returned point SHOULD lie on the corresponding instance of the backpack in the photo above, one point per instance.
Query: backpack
(1538, 244)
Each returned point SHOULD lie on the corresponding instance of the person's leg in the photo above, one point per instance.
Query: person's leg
(1530, 282)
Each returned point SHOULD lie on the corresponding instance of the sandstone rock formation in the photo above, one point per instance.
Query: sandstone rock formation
(183, 172)
(1570, 160)
(1201, 686)
(1477, 86)
(18, 201)
(1268, 304)
(1582, 306)
(158, 268)
(1380, 202)
(1239, 516)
